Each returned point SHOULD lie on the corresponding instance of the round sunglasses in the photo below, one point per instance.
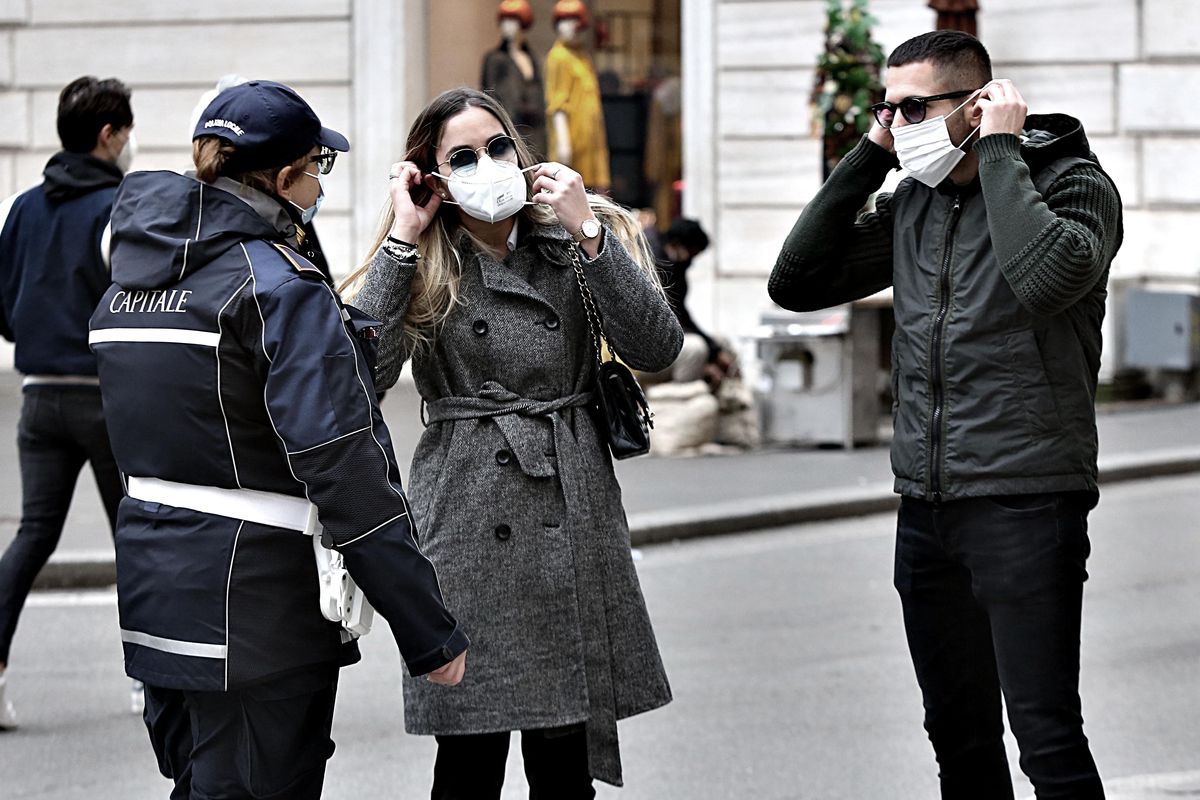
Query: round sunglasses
(913, 108)
(464, 161)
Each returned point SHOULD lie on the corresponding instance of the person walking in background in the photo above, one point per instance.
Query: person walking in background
(52, 274)
(474, 277)
(997, 246)
(242, 413)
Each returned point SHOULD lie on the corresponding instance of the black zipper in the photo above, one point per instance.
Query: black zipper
(937, 357)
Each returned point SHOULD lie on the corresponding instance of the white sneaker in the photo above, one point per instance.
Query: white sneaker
(8, 717)
(137, 697)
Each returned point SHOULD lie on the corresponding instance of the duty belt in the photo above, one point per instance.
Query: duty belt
(341, 599)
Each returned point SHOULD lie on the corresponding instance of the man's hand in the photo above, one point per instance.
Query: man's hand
(452, 673)
(882, 137)
(1004, 110)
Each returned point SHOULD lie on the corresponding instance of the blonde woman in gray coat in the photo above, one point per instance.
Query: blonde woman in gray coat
(513, 490)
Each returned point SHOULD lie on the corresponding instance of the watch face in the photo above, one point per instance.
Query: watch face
(591, 228)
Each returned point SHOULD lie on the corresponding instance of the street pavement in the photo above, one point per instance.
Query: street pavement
(786, 654)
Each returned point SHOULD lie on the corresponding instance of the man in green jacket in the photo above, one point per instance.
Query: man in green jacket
(997, 246)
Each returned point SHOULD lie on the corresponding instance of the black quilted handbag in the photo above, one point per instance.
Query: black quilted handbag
(619, 405)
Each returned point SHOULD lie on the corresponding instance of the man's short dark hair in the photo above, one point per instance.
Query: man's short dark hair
(959, 58)
(689, 234)
(85, 106)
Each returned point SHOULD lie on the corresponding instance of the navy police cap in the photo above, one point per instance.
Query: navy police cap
(268, 123)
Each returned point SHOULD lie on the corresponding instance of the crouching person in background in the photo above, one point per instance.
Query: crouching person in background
(700, 401)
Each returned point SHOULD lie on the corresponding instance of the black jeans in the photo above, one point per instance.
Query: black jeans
(269, 741)
(472, 767)
(992, 591)
(61, 428)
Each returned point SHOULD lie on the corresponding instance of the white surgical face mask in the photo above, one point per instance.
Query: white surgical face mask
(925, 149)
(494, 192)
(125, 157)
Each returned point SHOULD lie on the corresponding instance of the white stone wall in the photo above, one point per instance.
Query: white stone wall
(752, 162)
(1127, 68)
(169, 52)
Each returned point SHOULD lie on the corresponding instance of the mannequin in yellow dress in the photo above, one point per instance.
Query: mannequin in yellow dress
(576, 133)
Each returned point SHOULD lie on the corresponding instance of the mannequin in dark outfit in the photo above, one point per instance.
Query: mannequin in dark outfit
(511, 75)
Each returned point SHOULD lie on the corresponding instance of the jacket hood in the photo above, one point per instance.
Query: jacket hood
(1049, 137)
(165, 225)
(70, 175)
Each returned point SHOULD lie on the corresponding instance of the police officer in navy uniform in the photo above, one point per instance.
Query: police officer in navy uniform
(242, 415)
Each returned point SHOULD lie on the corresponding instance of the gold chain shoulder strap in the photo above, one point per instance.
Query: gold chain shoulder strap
(595, 322)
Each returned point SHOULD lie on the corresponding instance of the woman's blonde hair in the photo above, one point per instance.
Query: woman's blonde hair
(435, 288)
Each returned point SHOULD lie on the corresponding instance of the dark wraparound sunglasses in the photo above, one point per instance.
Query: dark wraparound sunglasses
(913, 108)
(324, 161)
(464, 160)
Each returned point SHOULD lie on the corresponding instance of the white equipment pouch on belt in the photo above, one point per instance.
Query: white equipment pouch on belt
(341, 599)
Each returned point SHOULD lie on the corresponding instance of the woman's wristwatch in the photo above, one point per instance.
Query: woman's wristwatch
(590, 229)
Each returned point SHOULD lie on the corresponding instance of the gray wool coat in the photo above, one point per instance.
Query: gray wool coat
(514, 494)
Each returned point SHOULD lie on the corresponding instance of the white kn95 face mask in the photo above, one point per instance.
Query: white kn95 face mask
(494, 192)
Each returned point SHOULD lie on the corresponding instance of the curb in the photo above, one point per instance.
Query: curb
(86, 570)
(654, 527)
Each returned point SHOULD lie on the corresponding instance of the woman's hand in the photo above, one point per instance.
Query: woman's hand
(411, 219)
(562, 189)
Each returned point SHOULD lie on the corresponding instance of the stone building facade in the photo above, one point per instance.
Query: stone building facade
(366, 66)
(360, 81)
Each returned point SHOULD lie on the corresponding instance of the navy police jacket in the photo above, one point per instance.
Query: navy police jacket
(226, 361)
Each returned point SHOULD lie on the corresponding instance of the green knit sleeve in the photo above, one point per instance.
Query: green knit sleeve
(833, 255)
(1053, 249)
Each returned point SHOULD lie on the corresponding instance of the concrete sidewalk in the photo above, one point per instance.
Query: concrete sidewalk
(667, 498)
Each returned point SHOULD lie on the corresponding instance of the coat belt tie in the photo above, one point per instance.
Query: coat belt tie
(516, 417)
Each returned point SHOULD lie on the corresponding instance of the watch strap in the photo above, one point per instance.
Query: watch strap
(580, 237)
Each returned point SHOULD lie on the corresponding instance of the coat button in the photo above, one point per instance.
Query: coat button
(503, 457)
(447, 654)
(551, 323)
(503, 532)
(480, 327)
